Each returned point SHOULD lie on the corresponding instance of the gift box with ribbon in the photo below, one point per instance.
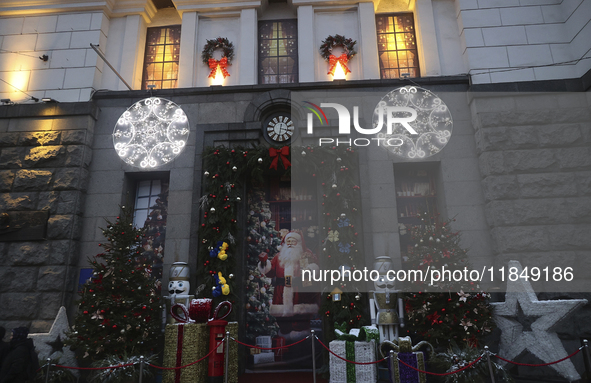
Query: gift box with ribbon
(184, 343)
(359, 345)
(187, 341)
(279, 341)
(410, 355)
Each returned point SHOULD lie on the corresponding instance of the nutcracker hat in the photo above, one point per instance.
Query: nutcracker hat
(179, 271)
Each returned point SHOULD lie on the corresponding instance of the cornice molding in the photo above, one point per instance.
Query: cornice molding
(212, 6)
(113, 8)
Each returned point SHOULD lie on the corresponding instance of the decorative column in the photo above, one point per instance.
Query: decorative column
(426, 40)
(188, 49)
(130, 51)
(306, 50)
(368, 47)
(248, 47)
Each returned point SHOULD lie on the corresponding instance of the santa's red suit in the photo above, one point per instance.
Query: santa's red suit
(286, 268)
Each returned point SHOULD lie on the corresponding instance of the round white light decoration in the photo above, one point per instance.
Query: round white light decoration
(150, 133)
(433, 123)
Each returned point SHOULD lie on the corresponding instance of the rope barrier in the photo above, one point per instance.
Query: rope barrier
(330, 351)
(94, 368)
(349, 361)
(270, 348)
(540, 365)
(190, 364)
(444, 373)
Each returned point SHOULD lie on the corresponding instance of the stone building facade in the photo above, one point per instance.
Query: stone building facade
(516, 173)
(46, 154)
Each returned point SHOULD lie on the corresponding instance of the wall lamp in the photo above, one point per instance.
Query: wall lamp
(47, 99)
(6, 101)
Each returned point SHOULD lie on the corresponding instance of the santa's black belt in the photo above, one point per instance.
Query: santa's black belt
(283, 281)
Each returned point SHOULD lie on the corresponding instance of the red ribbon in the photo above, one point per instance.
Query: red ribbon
(342, 59)
(276, 153)
(179, 353)
(213, 64)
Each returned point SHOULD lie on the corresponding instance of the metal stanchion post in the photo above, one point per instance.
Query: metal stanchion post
(227, 356)
(587, 358)
(313, 336)
(141, 368)
(392, 366)
(490, 369)
(47, 372)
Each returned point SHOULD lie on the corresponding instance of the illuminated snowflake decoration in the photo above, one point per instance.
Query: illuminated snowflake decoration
(151, 133)
(425, 135)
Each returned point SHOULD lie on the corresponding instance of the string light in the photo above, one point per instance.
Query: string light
(433, 123)
(151, 133)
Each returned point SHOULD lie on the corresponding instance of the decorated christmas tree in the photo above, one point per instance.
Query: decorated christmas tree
(153, 242)
(119, 311)
(451, 310)
(341, 248)
(263, 243)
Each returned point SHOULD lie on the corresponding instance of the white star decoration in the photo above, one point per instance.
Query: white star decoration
(541, 341)
(48, 345)
(152, 132)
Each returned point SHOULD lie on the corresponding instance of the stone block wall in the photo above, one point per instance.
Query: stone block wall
(535, 160)
(45, 152)
(529, 37)
(534, 153)
(72, 71)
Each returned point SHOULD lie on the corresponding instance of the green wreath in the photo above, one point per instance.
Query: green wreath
(336, 41)
(219, 43)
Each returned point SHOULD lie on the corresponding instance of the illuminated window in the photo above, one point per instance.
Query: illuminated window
(161, 61)
(278, 52)
(397, 47)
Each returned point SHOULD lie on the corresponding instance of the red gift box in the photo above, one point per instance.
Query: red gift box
(279, 341)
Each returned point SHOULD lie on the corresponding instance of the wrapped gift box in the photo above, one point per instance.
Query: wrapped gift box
(343, 372)
(279, 341)
(185, 343)
(406, 374)
(263, 358)
(264, 341)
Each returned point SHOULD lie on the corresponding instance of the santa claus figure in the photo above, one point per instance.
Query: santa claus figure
(286, 267)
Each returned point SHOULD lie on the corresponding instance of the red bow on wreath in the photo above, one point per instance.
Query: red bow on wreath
(213, 64)
(276, 153)
(342, 59)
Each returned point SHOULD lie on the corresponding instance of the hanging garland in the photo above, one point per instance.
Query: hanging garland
(226, 172)
(335, 41)
(207, 55)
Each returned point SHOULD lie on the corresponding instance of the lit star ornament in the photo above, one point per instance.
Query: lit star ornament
(151, 133)
(50, 345)
(537, 338)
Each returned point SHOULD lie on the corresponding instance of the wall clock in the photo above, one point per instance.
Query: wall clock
(279, 128)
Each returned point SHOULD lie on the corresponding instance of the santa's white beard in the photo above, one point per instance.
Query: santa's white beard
(290, 255)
